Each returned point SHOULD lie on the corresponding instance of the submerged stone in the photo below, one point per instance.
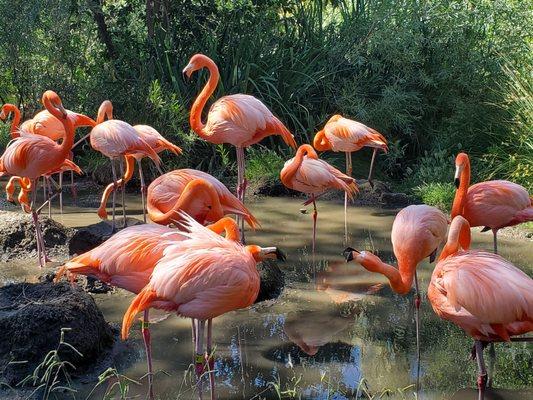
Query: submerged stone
(32, 317)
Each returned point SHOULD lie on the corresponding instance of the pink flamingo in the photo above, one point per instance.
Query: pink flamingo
(196, 271)
(127, 259)
(480, 292)
(343, 134)
(308, 174)
(491, 204)
(45, 124)
(32, 156)
(417, 232)
(116, 139)
(238, 119)
(197, 193)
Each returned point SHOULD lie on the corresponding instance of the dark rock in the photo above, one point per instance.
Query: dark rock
(395, 199)
(271, 187)
(17, 235)
(87, 238)
(272, 281)
(32, 317)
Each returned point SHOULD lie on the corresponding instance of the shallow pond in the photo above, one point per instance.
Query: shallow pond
(336, 332)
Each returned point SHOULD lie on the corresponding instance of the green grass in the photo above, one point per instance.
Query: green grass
(263, 163)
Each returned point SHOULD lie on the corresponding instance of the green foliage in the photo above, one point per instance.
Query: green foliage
(263, 163)
(426, 74)
(439, 195)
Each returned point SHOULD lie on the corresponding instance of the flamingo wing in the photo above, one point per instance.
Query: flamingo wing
(487, 286)
(155, 140)
(347, 135)
(243, 120)
(316, 176)
(30, 156)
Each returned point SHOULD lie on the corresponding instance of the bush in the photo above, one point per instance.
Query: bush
(439, 195)
(263, 163)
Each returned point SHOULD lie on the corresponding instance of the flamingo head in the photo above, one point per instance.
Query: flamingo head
(6, 110)
(334, 118)
(198, 61)
(460, 162)
(367, 259)
(264, 253)
(105, 111)
(53, 102)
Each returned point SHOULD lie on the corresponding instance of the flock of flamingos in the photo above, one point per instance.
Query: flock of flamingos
(200, 268)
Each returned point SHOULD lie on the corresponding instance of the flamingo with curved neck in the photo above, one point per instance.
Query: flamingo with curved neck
(491, 204)
(239, 119)
(15, 122)
(417, 232)
(306, 173)
(482, 293)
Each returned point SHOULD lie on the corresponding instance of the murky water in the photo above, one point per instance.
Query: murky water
(335, 332)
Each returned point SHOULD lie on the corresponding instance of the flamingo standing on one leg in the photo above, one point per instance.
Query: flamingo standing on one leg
(32, 156)
(127, 260)
(310, 175)
(417, 232)
(238, 119)
(480, 292)
(180, 190)
(116, 139)
(343, 134)
(491, 204)
(196, 271)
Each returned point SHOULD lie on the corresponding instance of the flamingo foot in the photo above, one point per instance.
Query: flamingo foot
(199, 364)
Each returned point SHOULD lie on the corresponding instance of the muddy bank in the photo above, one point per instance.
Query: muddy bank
(33, 319)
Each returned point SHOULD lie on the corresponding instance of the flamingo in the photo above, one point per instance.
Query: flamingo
(480, 292)
(417, 232)
(308, 174)
(127, 259)
(491, 204)
(199, 194)
(31, 156)
(201, 278)
(115, 139)
(239, 119)
(343, 134)
(45, 124)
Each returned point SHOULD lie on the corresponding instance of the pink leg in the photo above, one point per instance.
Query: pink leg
(49, 190)
(143, 189)
(73, 190)
(35, 217)
(61, 193)
(199, 357)
(113, 226)
(123, 192)
(417, 324)
(315, 216)
(148, 348)
(482, 372)
(372, 167)
(210, 358)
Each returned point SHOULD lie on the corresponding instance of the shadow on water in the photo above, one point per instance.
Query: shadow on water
(336, 331)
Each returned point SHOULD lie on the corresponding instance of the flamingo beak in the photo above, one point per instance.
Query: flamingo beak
(457, 178)
(348, 253)
(273, 253)
(62, 109)
(187, 72)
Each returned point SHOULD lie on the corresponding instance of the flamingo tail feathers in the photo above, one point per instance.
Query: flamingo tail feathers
(140, 303)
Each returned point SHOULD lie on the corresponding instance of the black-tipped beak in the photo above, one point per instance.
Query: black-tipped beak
(280, 256)
(457, 182)
(185, 76)
(348, 253)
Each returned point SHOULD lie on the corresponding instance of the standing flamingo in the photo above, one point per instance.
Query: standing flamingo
(201, 278)
(238, 119)
(127, 260)
(480, 292)
(199, 194)
(32, 156)
(115, 139)
(417, 232)
(45, 124)
(343, 134)
(310, 175)
(491, 204)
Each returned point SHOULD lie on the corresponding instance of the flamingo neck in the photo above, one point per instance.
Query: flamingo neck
(228, 226)
(400, 280)
(460, 194)
(105, 110)
(320, 142)
(15, 122)
(458, 237)
(68, 140)
(200, 102)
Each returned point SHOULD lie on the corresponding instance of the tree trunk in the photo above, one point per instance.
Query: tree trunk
(103, 33)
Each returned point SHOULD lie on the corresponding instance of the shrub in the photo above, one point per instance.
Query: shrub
(439, 195)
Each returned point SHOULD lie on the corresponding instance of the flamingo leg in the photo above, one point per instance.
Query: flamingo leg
(417, 325)
(372, 167)
(199, 357)
(482, 372)
(210, 358)
(349, 173)
(61, 193)
(148, 348)
(48, 198)
(143, 189)
(492, 364)
(73, 190)
(315, 217)
(35, 217)
(193, 323)
(240, 186)
(113, 226)
(123, 192)
(495, 239)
